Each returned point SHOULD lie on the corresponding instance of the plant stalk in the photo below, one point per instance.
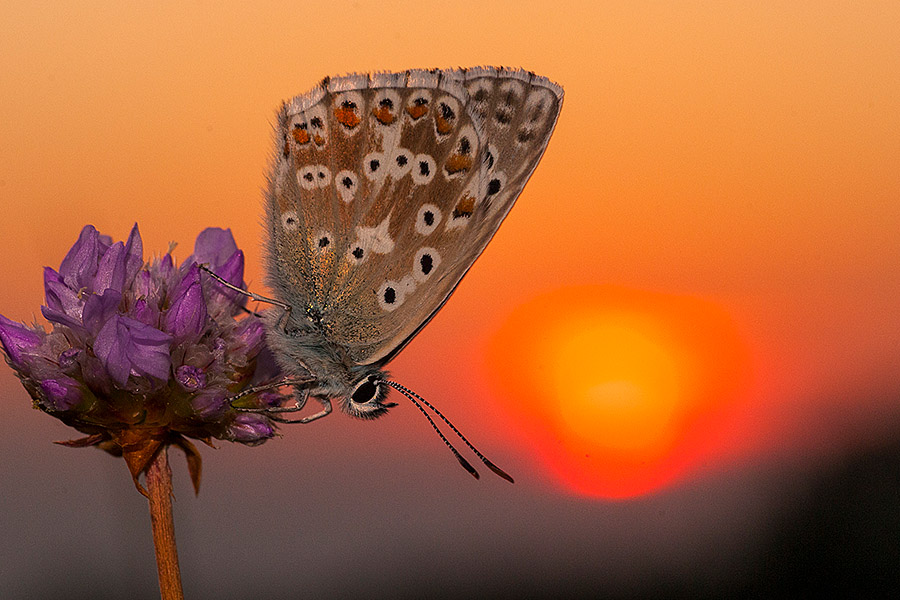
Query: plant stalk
(159, 493)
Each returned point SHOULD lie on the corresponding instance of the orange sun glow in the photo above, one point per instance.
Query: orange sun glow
(620, 390)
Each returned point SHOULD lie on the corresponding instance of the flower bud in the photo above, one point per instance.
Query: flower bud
(250, 428)
(187, 314)
(61, 394)
(18, 340)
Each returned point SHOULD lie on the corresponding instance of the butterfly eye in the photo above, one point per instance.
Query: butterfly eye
(365, 392)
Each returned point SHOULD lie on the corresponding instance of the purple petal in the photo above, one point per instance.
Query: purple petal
(62, 393)
(143, 285)
(98, 309)
(148, 349)
(233, 270)
(145, 313)
(124, 345)
(269, 398)
(51, 275)
(110, 345)
(111, 270)
(249, 428)
(213, 247)
(267, 368)
(166, 266)
(17, 339)
(61, 318)
(250, 333)
(187, 314)
(191, 378)
(134, 254)
(209, 404)
(63, 299)
(68, 359)
(80, 264)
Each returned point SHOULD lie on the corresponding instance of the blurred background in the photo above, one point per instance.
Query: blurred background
(683, 342)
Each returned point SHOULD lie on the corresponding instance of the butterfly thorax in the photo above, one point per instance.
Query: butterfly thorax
(302, 350)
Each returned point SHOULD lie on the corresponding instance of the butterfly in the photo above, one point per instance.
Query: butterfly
(383, 191)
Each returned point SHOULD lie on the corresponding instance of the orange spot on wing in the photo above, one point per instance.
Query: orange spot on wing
(443, 125)
(383, 114)
(319, 140)
(417, 111)
(301, 136)
(458, 162)
(465, 207)
(346, 117)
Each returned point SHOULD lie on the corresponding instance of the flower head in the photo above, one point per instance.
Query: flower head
(144, 354)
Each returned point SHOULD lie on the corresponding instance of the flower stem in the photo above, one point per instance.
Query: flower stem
(159, 492)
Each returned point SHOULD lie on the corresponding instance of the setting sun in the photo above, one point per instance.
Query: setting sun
(616, 382)
(623, 387)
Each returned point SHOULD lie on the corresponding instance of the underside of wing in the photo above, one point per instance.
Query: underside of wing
(386, 188)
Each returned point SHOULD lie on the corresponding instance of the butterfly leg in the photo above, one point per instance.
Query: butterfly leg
(269, 386)
(326, 410)
(286, 307)
(272, 413)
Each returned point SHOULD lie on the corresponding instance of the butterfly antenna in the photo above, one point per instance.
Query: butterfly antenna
(465, 464)
(413, 396)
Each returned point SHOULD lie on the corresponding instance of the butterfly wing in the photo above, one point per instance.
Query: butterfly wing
(388, 187)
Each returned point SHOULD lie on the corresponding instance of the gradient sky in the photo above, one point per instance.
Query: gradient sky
(698, 289)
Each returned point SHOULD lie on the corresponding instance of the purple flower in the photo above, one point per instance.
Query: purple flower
(64, 304)
(61, 394)
(210, 404)
(125, 346)
(250, 334)
(251, 428)
(187, 314)
(68, 359)
(214, 247)
(166, 267)
(191, 378)
(143, 312)
(99, 309)
(119, 328)
(80, 264)
(18, 340)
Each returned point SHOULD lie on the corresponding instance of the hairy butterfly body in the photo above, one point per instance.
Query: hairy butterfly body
(383, 192)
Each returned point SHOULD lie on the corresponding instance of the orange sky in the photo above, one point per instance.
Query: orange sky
(741, 155)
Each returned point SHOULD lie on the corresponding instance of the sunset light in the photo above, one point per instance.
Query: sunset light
(625, 389)
(683, 342)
